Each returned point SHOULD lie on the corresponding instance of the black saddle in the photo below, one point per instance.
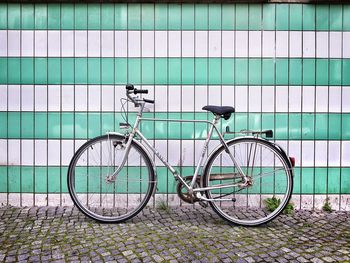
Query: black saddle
(223, 111)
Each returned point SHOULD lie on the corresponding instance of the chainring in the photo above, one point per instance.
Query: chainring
(183, 193)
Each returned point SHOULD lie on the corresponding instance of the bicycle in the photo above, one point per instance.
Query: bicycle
(112, 177)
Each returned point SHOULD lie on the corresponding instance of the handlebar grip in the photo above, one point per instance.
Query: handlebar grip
(144, 91)
(129, 87)
(148, 101)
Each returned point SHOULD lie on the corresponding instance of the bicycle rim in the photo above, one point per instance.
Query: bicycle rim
(110, 200)
(270, 178)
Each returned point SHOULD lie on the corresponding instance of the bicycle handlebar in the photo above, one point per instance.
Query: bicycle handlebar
(131, 89)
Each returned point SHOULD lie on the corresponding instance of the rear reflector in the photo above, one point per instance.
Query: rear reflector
(292, 161)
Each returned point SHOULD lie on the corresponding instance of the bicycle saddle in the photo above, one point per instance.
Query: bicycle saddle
(224, 111)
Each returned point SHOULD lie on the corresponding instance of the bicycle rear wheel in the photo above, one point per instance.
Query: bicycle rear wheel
(269, 174)
(110, 200)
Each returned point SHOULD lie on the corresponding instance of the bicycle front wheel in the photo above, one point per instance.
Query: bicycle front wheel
(100, 196)
(269, 188)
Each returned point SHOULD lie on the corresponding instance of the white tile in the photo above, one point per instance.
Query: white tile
(14, 152)
(120, 44)
(321, 153)
(27, 152)
(268, 98)
(334, 153)
(228, 97)
(81, 97)
(335, 99)
(268, 44)
(54, 103)
(67, 98)
(346, 99)
(322, 44)
(161, 98)
(67, 43)
(187, 151)
(28, 39)
(346, 43)
(134, 43)
(335, 48)
(3, 43)
(161, 44)
(94, 43)
(295, 99)
(345, 155)
(214, 44)
(174, 43)
(40, 43)
(27, 98)
(3, 98)
(40, 152)
(201, 97)
(201, 44)
(214, 96)
(255, 48)
(255, 99)
(175, 96)
(67, 151)
(282, 99)
(94, 94)
(228, 43)
(40, 98)
(321, 99)
(14, 98)
(188, 43)
(282, 43)
(54, 151)
(294, 151)
(161, 146)
(309, 44)
(148, 43)
(295, 44)
(241, 44)
(54, 42)
(107, 43)
(3, 152)
(241, 99)
(108, 98)
(81, 43)
(308, 153)
(14, 43)
(308, 98)
(188, 98)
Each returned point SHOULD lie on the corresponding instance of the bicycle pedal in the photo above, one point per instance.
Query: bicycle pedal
(203, 204)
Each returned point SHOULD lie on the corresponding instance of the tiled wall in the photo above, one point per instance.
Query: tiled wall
(63, 68)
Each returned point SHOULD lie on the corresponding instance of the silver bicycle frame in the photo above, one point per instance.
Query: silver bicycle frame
(189, 187)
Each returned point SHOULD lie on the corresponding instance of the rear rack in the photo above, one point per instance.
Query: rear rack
(268, 133)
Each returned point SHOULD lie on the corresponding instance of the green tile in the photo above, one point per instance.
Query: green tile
(4, 70)
(54, 126)
(282, 16)
(54, 16)
(107, 16)
(309, 14)
(345, 181)
(94, 70)
(346, 17)
(307, 179)
(94, 125)
(3, 16)
(41, 71)
(3, 179)
(40, 16)
(120, 70)
(41, 175)
(255, 17)
(108, 122)
(14, 72)
(27, 179)
(320, 180)
(321, 126)
(14, 179)
(27, 75)
(67, 16)
(335, 17)
(296, 17)
(174, 17)
(107, 71)
(215, 17)
(81, 16)
(40, 125)
(28, 16)
(334, 180)
(254, 121)
(134, 16)
(94, 15)
(147, 13)
(201, 71)
(268, 71)
(67, 70)
(80, 125)
(161, 71)
(309, 72)
(187, 71)
(27, 125)
(64, 178)
(322, 71)
(3, 126)
(54, 182)
(242, 16)
(80, 67)
(269, 12)
(54, 68)
(241, 71)
(308, 126)
(134, 71)
(187, 17)
(14, 16)
(345, 125)
(121, 16)
(161, 16)
(241, 119)
(67, 125)
(255, 71)
(295, 71)
(201, 16)
(227, 71)
(335, 71)
(228, 17)
(147, 71)
(282, 72)
(214, 71)
(322, 17)
(268, 121)
(281, 130)
(14, 124)
(334, 128)
(346, 70)
(175, 71)
(294, 126)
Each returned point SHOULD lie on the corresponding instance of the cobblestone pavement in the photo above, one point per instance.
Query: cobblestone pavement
(183, 234)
